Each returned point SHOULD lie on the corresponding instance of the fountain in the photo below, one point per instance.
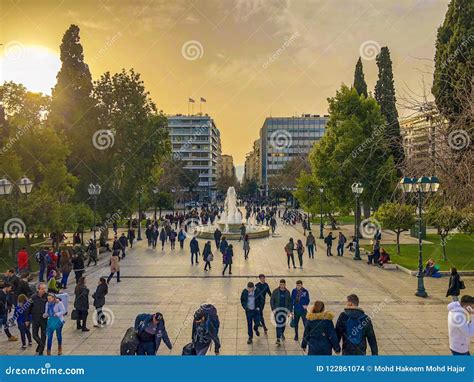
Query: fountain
(231, 221)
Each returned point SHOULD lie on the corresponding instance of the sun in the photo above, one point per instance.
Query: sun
(34, 66)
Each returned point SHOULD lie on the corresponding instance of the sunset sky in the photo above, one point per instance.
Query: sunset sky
(249, 59)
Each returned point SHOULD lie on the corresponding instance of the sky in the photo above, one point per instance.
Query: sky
(249, 59)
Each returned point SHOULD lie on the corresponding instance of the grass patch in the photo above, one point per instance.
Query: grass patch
(343, 219)
(8, 261)
(459, 251)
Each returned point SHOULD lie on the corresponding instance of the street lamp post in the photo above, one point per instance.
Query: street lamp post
(357, 189)
(423, 185)
(155, 191)
(139, 234)
(6, 187)
(321, 224)
(94, 191)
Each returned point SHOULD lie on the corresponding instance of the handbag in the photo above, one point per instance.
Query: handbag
(74, 314)
(210, 257)
(54, 323)
(293, 322)
(462, 285)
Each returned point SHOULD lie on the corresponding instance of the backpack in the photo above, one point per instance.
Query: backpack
(189, 349)
(354, 331)
(130, 342)
(39, 256)
(211, 316)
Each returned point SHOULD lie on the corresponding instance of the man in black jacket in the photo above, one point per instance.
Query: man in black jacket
(355, 329)
(252, 304)
(262, 289)
(36, 309)
(281, 308)
(5, 308)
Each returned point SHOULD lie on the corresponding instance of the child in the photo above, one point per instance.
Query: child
(21, 319)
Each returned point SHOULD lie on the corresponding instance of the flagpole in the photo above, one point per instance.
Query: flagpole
(200, 107)
(188, 106)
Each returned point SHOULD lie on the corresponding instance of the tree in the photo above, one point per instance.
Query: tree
(224, 182)
(249, 188)
(359, 80)
(445, 219)
(72, 107)
(454, 58)
(385, 96)
(162, 201)
(352, 150)
(396, 218)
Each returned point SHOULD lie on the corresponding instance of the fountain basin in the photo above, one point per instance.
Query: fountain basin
(255, 232)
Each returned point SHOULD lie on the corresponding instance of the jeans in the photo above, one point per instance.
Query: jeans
(292, 257)
(146, 348)
(181, 244)
(246, 253)
(328, 249)
(82, 321)
(253, 321)
(280, 320)
(340, 249)
(112, 275)
(456, 353)
(300, 259)
(41, 273)
(64, 279)
(297, 317)
(218, 242)
(208, 264)
(59, 336)
(3, 322)
(101, 320)
(262, 320)
(230, 269)
(311, 251)
(78, 275)
(24, 333)
(192, 258)
(40, 339)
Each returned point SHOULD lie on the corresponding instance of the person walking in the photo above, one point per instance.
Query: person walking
(228, 255)
(35, 312)
(262, 289)
(205, 330)
(5, 308)
(163, 238)
(289, 249)
(319, 333)
(181, 238)
(151, 330)
(149, 235)
(328, 241)
(246, 247)
(207, 256)
(455, 285)
(252, 303)
(41, 260)
(217, 237)
(131, 236)
(280, 303)
(53, 286)
(114, 263)
(155, 233)
(23, 320)
(54, 313)
(310, 244)
(299, 305)
(65, 267)
(123, 244)
(92, 251)
(99, 302)
(341, 241)
(460, 325)
(243, 230)
(300, 251)
(172, 237)
(223, 246)
(273, 223)
(22, 260)
(194, 248)
(78, 265)
(81, 304)
(355, 329)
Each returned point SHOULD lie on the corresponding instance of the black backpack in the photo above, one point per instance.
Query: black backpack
(130, 342)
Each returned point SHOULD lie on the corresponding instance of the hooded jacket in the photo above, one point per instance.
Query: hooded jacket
(364, 324)
(320, 335)
(143, 320)
(460, 327)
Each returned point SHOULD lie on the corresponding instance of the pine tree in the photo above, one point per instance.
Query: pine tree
(385, 96)
(454, 59)
(359, 81)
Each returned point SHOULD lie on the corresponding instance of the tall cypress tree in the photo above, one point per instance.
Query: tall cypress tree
(454, 59)
(359, 81)
(72, 107)
(385, 96)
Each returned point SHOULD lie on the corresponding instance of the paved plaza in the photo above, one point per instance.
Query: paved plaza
(153, 280)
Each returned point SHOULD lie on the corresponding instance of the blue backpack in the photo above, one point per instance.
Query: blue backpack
(354, 331)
